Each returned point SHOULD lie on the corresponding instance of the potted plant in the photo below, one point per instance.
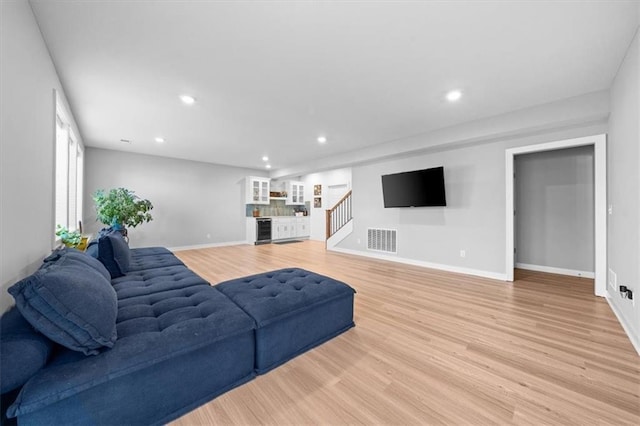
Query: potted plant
(121, 208)
(69, 238)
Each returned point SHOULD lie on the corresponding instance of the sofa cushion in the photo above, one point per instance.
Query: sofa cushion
(157, 335)
(114, 253)
(294, 311)
(153, 261)
(149, 251)
(76, 255)
(92, 249)
(150, 281)
(70, 303)
(23, 350)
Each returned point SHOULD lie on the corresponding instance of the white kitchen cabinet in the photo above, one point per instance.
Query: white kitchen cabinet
(275, 229)
(295, 193)
(257, 190)
(283, 228)
(302, 227)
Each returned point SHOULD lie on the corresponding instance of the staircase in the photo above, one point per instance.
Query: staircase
(339, 221)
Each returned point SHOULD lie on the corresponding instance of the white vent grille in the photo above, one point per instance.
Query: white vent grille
(382, 240)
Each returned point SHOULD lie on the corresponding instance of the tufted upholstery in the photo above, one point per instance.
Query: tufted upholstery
(180, 343)
(150, 281)
(294, 310)
(147, 251)
(267, 297)
(151, 329)
(152, 261)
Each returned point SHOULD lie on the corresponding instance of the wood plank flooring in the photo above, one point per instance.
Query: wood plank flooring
(432, 347)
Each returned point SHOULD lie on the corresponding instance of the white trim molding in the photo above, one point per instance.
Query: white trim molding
(634, 339)
(599, 143)
(554, 270)
(440, 267)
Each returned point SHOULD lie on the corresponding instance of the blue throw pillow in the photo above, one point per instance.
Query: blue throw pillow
(23, 350)
(70, 303)
(114, 253)
(92, 249)
(76, 255)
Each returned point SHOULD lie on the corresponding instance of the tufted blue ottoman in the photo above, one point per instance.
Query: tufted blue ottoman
(294, 310)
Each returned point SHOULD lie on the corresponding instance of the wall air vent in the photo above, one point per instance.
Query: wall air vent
(382, 240)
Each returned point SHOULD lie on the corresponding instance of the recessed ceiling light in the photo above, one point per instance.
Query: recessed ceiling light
(322, 139)
(159, 139)
(268, 166)
(265, 158)
(454, 95)
(189, 100)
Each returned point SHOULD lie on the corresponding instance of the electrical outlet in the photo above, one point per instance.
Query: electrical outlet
(610, 209)
(358, 240)
(463, 253)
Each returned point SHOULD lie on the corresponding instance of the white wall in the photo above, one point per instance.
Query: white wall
(194, 203)
(554, 196)
(27, 141)
(326, 179)
(474, 218)
(624, 190)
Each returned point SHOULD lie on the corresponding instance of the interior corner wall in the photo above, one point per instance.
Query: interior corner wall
(27, 145)
(554, 203)
(623, 157)
(194, 203)
(474, 219)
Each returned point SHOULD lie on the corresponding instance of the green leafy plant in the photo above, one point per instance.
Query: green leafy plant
(68, 238)
(121, 208)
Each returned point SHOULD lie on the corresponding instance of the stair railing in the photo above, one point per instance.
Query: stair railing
(338, 215)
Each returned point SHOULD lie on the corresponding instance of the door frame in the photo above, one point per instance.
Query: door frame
(599, 143)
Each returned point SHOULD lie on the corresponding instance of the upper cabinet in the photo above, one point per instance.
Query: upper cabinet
(295, 193)
(257, 191)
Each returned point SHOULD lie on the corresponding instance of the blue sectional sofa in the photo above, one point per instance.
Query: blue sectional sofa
(138, 338)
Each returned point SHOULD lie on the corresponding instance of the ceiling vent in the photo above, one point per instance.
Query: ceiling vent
(384, 240)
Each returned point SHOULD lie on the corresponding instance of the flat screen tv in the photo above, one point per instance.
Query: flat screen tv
(419, 188)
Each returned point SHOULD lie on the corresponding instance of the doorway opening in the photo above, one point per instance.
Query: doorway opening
(600, 199)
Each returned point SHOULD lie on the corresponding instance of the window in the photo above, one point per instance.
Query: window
(69, 172)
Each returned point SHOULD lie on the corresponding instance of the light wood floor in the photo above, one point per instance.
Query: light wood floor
(433, 347)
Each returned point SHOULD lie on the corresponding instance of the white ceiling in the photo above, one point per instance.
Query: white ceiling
(270, 77)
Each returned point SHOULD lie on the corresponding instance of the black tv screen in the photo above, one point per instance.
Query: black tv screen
(419, 188)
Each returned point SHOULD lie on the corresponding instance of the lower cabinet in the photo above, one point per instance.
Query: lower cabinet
(302, 227)
(283, 228)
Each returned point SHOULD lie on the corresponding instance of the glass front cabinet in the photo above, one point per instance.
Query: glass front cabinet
(295, 193)
(257, 190)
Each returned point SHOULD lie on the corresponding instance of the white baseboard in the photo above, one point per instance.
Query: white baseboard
(448, 268)
(210, 245)
(553, 270)
(635, 340)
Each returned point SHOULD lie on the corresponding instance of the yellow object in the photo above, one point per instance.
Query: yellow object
(83, 244)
